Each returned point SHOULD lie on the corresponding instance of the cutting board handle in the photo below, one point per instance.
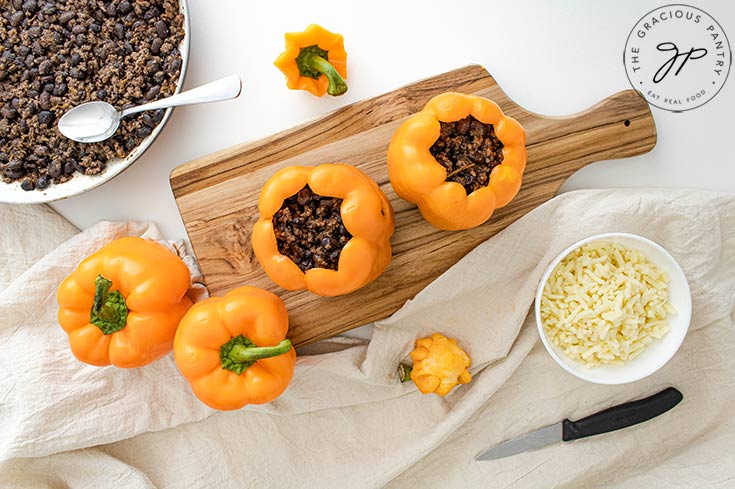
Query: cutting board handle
(619, 126)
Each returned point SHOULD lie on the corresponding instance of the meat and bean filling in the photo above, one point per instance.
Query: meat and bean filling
(469, 150)
(57, 54)
(309, 230)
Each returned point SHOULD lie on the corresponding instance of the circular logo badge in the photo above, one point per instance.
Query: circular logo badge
(678, 57)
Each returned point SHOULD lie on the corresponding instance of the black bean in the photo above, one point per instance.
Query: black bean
(27, 185)
(124, 7)
(60, 89)
(45, 67)
(463, 126)
(156, 45)
(8, 112)
(69, 168)
(78, 73)
(79, 29)
(153, 66)
(14, 174)
(477, 128)
(95, 27)
(151, 13)
(111, 10)
(101, 94)
(54, 169)
(42, 182)
(17, 18)
(17, 4)
(158, 116)
(147, 120)
(304, 196)
(30, 6)
(143, 131)
(65, 17)
(174, 66)
(45, 117)
(79, 167)
(15, 165)
(75, 59)
(162, 29)
(119, 31)
(35, 31)
(37, 49)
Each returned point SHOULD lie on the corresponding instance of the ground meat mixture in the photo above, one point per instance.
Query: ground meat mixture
(469, 150)
(309, 230)
(57, 54)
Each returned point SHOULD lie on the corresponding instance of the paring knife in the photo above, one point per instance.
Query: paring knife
(611, 419)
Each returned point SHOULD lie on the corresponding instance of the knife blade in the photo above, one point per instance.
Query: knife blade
(611, 419)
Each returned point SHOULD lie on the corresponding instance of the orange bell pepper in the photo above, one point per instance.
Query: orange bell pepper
(122, 305)
(232, 349)
(366, 214)
(417, 177)
(314, 60)
(439, 364)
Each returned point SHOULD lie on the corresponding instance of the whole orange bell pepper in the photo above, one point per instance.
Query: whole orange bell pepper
(314, 60)
(122, 305)
(233, 350)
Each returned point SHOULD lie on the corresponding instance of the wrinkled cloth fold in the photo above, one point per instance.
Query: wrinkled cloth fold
(346, 421)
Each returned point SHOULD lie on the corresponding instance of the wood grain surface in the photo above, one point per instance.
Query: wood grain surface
(217, 195)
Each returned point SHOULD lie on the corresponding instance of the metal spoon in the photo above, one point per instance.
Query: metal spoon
(96, 121)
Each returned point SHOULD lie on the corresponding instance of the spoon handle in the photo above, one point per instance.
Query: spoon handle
(222, 89)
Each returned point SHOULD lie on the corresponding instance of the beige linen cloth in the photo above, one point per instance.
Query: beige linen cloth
(345, 421)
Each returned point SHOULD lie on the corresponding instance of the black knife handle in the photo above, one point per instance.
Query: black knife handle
(621, 416)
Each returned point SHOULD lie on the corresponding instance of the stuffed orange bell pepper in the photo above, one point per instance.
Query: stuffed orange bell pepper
(326, 229)
(458, 160)
(122, 305)
(314, 60)
(233, 350)
(439, 364)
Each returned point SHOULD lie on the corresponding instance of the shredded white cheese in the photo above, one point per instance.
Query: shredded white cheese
(603, 304)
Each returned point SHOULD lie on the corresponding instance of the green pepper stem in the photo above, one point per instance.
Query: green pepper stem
(337, 85)
(243, 353)
(404, 372)
(109, 311)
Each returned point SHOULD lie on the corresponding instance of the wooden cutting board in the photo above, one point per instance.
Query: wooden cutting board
(217, 195)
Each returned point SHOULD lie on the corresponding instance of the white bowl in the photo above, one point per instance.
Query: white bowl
(12, 193)
(656, 354)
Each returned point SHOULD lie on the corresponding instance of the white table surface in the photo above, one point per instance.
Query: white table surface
(550, 57)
